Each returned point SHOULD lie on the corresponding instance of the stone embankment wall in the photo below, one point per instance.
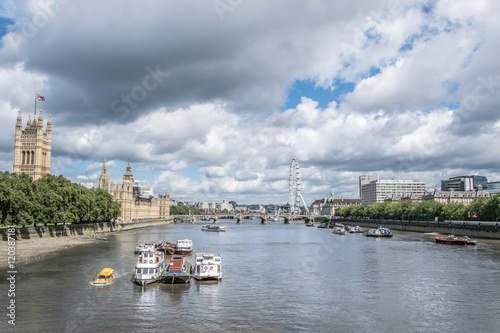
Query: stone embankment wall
(475, 229)
(64, 230)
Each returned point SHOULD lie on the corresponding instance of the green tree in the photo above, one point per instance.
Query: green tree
(490, 211)
(454, 211)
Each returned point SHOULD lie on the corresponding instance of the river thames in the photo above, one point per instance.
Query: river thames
(277, 278)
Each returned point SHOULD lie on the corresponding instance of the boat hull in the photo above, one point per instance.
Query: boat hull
(183, 252)
(143, 282)
(208, 278)
(99, 284)
(176, 278)
(452, 240)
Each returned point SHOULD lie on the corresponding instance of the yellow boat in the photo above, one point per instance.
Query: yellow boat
(105, 277)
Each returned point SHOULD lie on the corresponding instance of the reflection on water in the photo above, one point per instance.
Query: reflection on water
(277, 278)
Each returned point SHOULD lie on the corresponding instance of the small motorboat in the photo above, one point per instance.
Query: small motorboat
(355, 230)
(104, 278)
(339, 230)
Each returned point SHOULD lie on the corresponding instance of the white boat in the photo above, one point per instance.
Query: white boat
(213, 227)
(149, 267)
(355, 230)
(380, 232)
(184, 246)
(140, 248)
(339, 230)
(208, 266)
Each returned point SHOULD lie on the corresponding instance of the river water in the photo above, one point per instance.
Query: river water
(277, 278)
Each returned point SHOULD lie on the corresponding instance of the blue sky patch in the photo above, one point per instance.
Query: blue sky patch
(428, 8)
(192, 172)
(4, 25)
(306, 88)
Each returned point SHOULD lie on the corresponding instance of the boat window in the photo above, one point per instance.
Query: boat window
(139, 271)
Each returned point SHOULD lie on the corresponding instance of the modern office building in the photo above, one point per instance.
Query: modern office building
(493, 187)
(379, 190)
(363, 180)
(463, 183)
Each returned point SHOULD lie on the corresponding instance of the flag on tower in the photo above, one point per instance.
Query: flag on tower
(40, 98)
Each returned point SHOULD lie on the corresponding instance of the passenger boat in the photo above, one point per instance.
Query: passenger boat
(167, 247)
(355, 230)
(149, 267)
(339, 230)
(178, 271)
(212, 227)
(380, 232)
(454, 240)
(184, 246)
(208, 267)
(104, 278)
(138, 249)
(144, 248)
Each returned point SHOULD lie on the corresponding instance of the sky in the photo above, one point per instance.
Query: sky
(211, 100)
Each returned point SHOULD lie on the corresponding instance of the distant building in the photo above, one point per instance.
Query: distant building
(328, 205)
(379, 190)
(225, 205)
(240, 208)
(363, 180)
(136, 203)
(463, 197)
(256, 209)
(32, 147)
(493, 187)
(463, 183)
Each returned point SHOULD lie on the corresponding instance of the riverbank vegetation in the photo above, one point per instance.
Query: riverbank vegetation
(484, 209)
(52, 199)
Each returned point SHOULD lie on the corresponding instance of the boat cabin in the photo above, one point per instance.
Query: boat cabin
(176, 264)
(105, 276)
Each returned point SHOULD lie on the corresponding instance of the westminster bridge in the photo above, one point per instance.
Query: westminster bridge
(286, 218)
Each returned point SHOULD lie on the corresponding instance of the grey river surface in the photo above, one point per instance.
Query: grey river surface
(277, 278)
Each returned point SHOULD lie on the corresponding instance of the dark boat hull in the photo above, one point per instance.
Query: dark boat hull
(451, 241)
(171, 279)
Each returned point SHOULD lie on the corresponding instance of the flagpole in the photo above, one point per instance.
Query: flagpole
(36, 95)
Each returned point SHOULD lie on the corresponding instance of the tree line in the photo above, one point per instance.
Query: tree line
(484, 209)
(52, 199)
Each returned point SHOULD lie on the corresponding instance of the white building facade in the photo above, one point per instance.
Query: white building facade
(380, 190)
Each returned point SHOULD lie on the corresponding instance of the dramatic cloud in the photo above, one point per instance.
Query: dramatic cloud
(194, 93)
